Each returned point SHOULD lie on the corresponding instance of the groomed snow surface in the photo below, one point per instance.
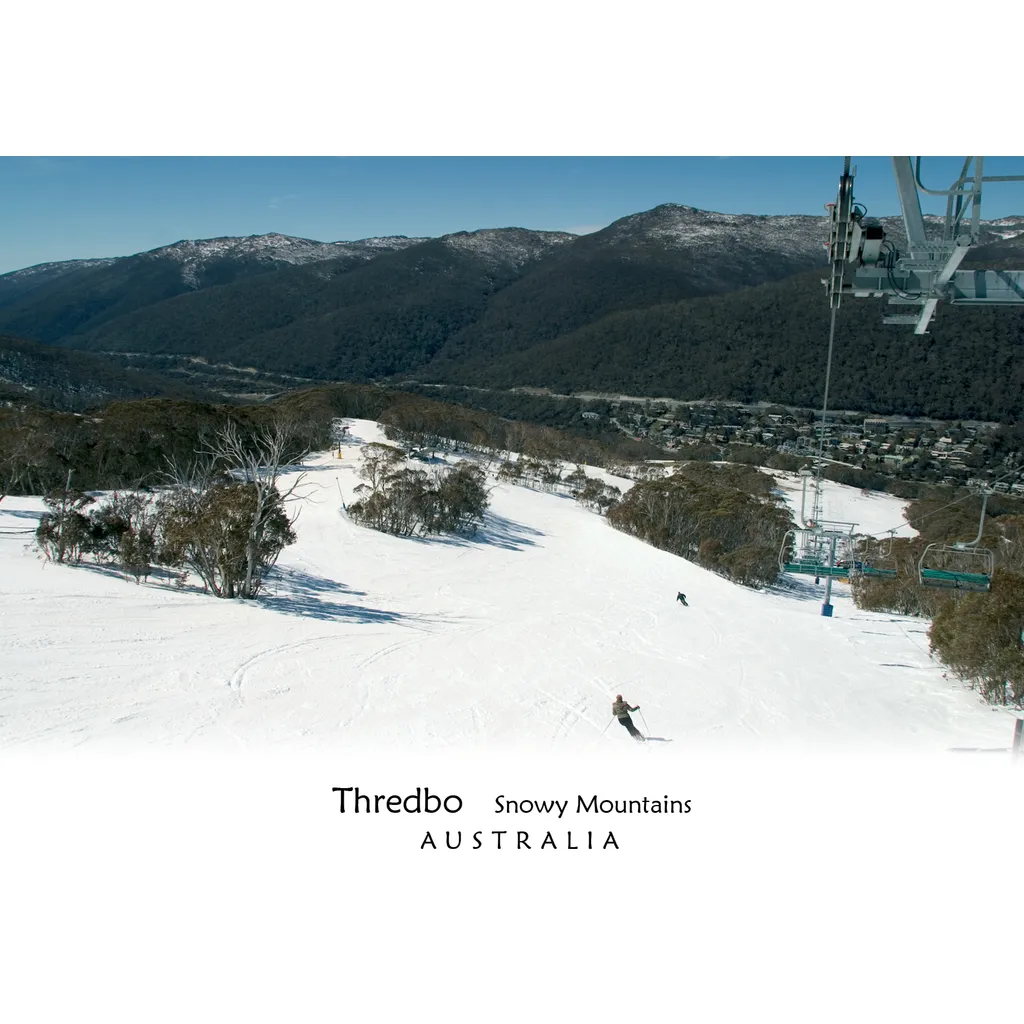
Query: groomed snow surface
(518, 637)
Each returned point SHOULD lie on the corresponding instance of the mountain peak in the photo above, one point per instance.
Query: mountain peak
(509, 246)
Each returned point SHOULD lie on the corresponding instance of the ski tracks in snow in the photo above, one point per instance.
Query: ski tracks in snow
(238, 677)
(574, 713)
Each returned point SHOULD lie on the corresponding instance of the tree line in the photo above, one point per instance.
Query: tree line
(769, 343)
(725, 518)
(548, 475)
(222, 515)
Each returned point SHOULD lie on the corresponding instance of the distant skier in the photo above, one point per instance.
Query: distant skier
(621, 710)
(681, 598)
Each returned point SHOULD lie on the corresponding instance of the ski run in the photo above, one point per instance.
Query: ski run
(519, 637)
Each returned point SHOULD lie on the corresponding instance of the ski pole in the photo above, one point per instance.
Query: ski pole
(647, 730)
(605, 729)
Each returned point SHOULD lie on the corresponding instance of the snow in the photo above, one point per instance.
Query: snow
(677, 226)
(193, 254)
(519, 637)
(872, 512)
(508, 246)
(799, 235)
(276, 248)
(56, 268)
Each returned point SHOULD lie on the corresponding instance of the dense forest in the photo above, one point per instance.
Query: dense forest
(434, 319)
(133, 443)
(60, 378)
(770, 343)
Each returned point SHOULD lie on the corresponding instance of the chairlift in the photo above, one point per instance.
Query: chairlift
(865, 567)
(962, 565)
(934, 568)
(813, 552)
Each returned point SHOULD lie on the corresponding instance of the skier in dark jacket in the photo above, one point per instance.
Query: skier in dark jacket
(621, 710)
(681, 598)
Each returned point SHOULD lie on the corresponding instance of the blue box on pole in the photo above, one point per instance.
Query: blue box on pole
(826, 610)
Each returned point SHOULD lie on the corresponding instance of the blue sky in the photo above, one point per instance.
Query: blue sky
(57, 208)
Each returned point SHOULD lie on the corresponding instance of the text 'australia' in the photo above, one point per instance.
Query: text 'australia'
(507, 840)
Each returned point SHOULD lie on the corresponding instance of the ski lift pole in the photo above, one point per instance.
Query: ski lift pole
(826, 608)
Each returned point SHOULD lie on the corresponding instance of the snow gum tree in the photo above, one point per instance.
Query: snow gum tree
(981, 637)
(210, 531)
(406, 501)
(63, 532)
(378, 462)
(458, 500)
(721, 519)
(123, 530)
(597, 495)
(259, 460)
(225, 517)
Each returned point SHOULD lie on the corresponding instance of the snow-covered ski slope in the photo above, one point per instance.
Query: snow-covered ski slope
(518, 637)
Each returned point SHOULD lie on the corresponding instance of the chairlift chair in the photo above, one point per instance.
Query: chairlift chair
(865, 567)
(973, 570)
(960, 565)
(807, 552)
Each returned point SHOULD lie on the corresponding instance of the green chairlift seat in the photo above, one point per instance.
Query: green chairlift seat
(973, 570)
(874, 549)
(875, 573)
(961, 565)
(808, 554)
(805, 568)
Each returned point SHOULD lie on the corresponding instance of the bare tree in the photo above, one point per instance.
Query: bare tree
(259, 460)
(379, 461)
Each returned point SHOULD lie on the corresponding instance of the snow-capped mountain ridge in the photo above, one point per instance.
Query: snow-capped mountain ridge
(275, 249)
(195, 254)
(687, 227)
(56, 268)
(511, 246)
(674, 225)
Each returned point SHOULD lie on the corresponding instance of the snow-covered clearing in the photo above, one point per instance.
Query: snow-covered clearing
(519, 636)
(871, 512)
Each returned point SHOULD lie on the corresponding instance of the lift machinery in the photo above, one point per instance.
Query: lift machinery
(865, 263)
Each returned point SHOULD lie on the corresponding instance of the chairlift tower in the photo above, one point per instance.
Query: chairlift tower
(864, 263)
(820, 548)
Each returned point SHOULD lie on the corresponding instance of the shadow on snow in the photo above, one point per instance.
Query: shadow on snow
(798, 588)
(496, 531)
(297, 592)
(286, 590)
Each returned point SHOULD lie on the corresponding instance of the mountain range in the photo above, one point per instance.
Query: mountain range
(674, 301)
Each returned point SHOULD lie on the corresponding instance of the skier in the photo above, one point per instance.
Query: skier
(681, 598)
(621, 710)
